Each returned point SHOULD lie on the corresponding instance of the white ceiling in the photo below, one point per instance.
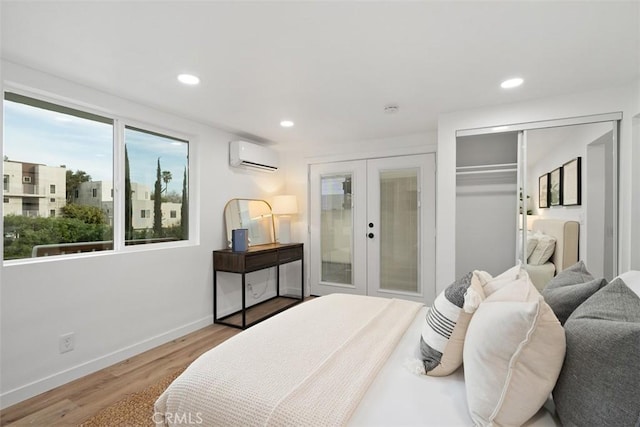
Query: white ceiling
(329, 66)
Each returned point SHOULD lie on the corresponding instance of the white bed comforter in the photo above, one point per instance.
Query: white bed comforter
(310, 365)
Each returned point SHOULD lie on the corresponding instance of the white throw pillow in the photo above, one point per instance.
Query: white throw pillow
(532, 242)
(544, 249)
(632, 279)
(491, 284)
(513, 353)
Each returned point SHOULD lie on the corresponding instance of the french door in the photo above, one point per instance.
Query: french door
(372, 227)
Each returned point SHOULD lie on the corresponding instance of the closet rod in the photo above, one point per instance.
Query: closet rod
(486, 171)
(494, 166)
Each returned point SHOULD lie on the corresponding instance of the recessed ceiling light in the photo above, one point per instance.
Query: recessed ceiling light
(188, 79)
(511, 83)
(286, 123)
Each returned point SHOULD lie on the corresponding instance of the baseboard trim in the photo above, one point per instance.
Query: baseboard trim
(50, 382)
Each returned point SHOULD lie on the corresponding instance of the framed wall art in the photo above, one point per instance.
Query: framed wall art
(572, 182)
(543, 191)
(555, 187)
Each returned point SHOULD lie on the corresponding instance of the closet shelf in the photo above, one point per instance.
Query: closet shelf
(482, 169)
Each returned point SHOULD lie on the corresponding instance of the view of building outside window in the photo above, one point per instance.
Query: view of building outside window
(58, 182)
(156, 184)
(49, 151)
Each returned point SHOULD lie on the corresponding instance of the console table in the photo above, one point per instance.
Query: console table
(258, 257)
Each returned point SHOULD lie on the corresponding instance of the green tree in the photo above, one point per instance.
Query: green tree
(85, 213)
(184, 208)
(157, 204)
(128, 204)
(172, 197)
(22, 233)
(73, 181)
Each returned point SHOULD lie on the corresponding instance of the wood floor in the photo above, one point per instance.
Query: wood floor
(75, 402)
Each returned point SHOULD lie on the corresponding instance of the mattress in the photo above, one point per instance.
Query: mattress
(219, 387)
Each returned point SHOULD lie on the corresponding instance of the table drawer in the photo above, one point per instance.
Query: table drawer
(261, 260)
(290, 254)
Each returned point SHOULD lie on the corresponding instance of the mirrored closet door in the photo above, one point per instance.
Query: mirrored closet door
(512, 180)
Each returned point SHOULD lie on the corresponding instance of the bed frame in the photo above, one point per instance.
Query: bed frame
(567, 234)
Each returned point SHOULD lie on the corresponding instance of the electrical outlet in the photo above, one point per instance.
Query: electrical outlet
(67, 342)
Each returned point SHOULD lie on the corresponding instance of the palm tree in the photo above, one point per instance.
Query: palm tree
(166, 177)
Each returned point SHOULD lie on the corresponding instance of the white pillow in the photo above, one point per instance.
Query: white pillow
(532, 242)
(513, 353)
(491, 284)
(632, 280)
(544, 249)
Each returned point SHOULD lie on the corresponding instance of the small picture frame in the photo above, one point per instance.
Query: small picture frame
(555, 187)
(572, 182)
(543, 191)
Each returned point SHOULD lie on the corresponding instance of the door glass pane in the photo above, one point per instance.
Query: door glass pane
(399, 230)
(336, 226)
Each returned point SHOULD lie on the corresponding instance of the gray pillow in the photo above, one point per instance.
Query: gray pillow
(600, 379)
(569, 289)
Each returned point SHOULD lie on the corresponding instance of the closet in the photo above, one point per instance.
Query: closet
(499, 176)
(486, 202)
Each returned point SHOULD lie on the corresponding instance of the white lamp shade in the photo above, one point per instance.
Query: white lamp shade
(284, 205)
(258, 209)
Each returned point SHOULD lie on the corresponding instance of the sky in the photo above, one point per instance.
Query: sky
(47, 137)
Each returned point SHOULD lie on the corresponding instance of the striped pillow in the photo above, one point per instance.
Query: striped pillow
(444, 329)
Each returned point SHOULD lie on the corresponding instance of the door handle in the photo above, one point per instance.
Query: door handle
(370, 235)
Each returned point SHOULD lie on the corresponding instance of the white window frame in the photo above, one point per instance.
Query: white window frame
(119, 123)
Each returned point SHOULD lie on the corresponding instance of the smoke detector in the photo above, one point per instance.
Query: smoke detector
(391, 108)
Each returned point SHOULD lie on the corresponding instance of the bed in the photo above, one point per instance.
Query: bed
(565, 252)
(349, 360)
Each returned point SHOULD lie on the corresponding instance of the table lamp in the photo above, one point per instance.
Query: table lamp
(283, 207)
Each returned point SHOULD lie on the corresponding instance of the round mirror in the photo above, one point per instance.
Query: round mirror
(254, 215)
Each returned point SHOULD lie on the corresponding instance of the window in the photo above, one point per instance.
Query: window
(5, 200)
(41, 136)
(157, 166)
(5, 182)
(71, 151)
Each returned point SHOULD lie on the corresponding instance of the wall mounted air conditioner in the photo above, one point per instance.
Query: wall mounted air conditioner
(254, 156)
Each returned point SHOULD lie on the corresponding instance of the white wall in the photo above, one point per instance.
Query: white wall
(622, 98)
(119, 304)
